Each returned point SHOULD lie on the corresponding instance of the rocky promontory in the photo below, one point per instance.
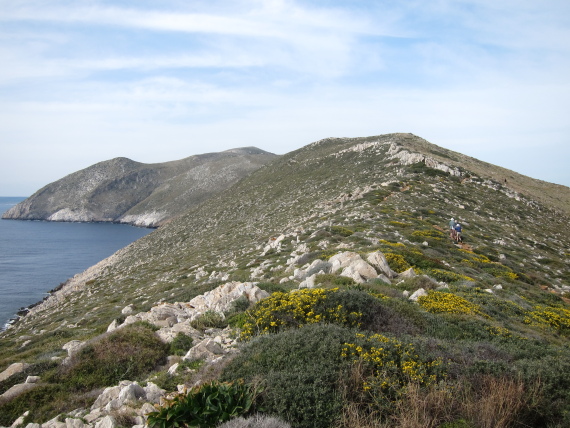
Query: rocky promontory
(147, 195)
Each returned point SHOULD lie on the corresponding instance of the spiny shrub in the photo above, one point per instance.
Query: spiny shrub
(281, 311)
(206, 406)
(127, 353)
(300, 369)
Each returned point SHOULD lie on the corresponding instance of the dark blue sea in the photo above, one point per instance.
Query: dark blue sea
(37, 256)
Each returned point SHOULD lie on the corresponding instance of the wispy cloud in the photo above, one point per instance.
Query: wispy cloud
(199, 76)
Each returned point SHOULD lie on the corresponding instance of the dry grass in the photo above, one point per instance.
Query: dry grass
(497, 402)
(486, 402)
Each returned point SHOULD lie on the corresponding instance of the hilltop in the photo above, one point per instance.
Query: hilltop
(124, 191)
(393, 313)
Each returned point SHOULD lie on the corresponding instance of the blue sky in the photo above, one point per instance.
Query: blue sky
(84, 81)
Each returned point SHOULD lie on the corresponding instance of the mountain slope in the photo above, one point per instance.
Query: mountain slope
(121, 190)
(386, 193)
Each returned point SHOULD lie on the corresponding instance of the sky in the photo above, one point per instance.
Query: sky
(83, 81)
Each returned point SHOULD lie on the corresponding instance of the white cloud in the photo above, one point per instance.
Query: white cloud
(86, 81)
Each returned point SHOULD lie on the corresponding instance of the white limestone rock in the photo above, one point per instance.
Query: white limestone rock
(107, 422)
(13, 369)
(378, 260)
(410, 273)
(208, 350)
(73, 347)
(74, 423)
(417, 294)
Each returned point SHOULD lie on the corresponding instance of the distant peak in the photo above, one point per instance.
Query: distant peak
(247, 151)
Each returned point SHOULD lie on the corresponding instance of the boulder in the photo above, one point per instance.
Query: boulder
(153, 393)
(318, 266)
(208, 349)
(108, 394)
(378, 260)
(128, 310)
(74, 423)
(16, 391)
(410, 273)
(131, 393)
(107, 422)
(342, 260)
(417, 294)
(12, 370)
(167, 334)
(73, 347)
(308, 282)
(353, 266)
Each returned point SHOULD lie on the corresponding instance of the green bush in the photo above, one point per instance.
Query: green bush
(332, 280)
(181, 344)
(127, 353)
(209, 319)
(206, 406)
(342, 231)
(300, 369)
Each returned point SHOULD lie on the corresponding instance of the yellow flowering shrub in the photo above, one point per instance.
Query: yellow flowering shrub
(432, 233)
(446, 275)
(440, 302)
(392, 366)
(498, 270)
(557, 318)
(295, 309)
(391, 244)
(397, 262)
(399, 224)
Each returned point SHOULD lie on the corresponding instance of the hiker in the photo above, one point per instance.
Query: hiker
(458, 237)
(452, 229)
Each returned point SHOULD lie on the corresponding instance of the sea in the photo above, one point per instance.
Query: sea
(37, 256)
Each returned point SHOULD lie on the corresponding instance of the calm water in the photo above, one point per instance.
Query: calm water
(37, 256)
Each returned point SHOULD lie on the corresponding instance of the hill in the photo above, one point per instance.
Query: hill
(471, 334)
(123, 191)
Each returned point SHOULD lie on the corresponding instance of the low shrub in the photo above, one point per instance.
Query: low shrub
(180, 344)
(209, 319)
(126, 353)
(300, 369)
(205, 406)
(397, 262)
(332, 280)
(282, 311)
(442, 302)
(389, 367)
(342, 231)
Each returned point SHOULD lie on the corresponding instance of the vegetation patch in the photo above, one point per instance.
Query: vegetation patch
(127, 353)
(307, 306)
(205, 406)
(441, 302)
